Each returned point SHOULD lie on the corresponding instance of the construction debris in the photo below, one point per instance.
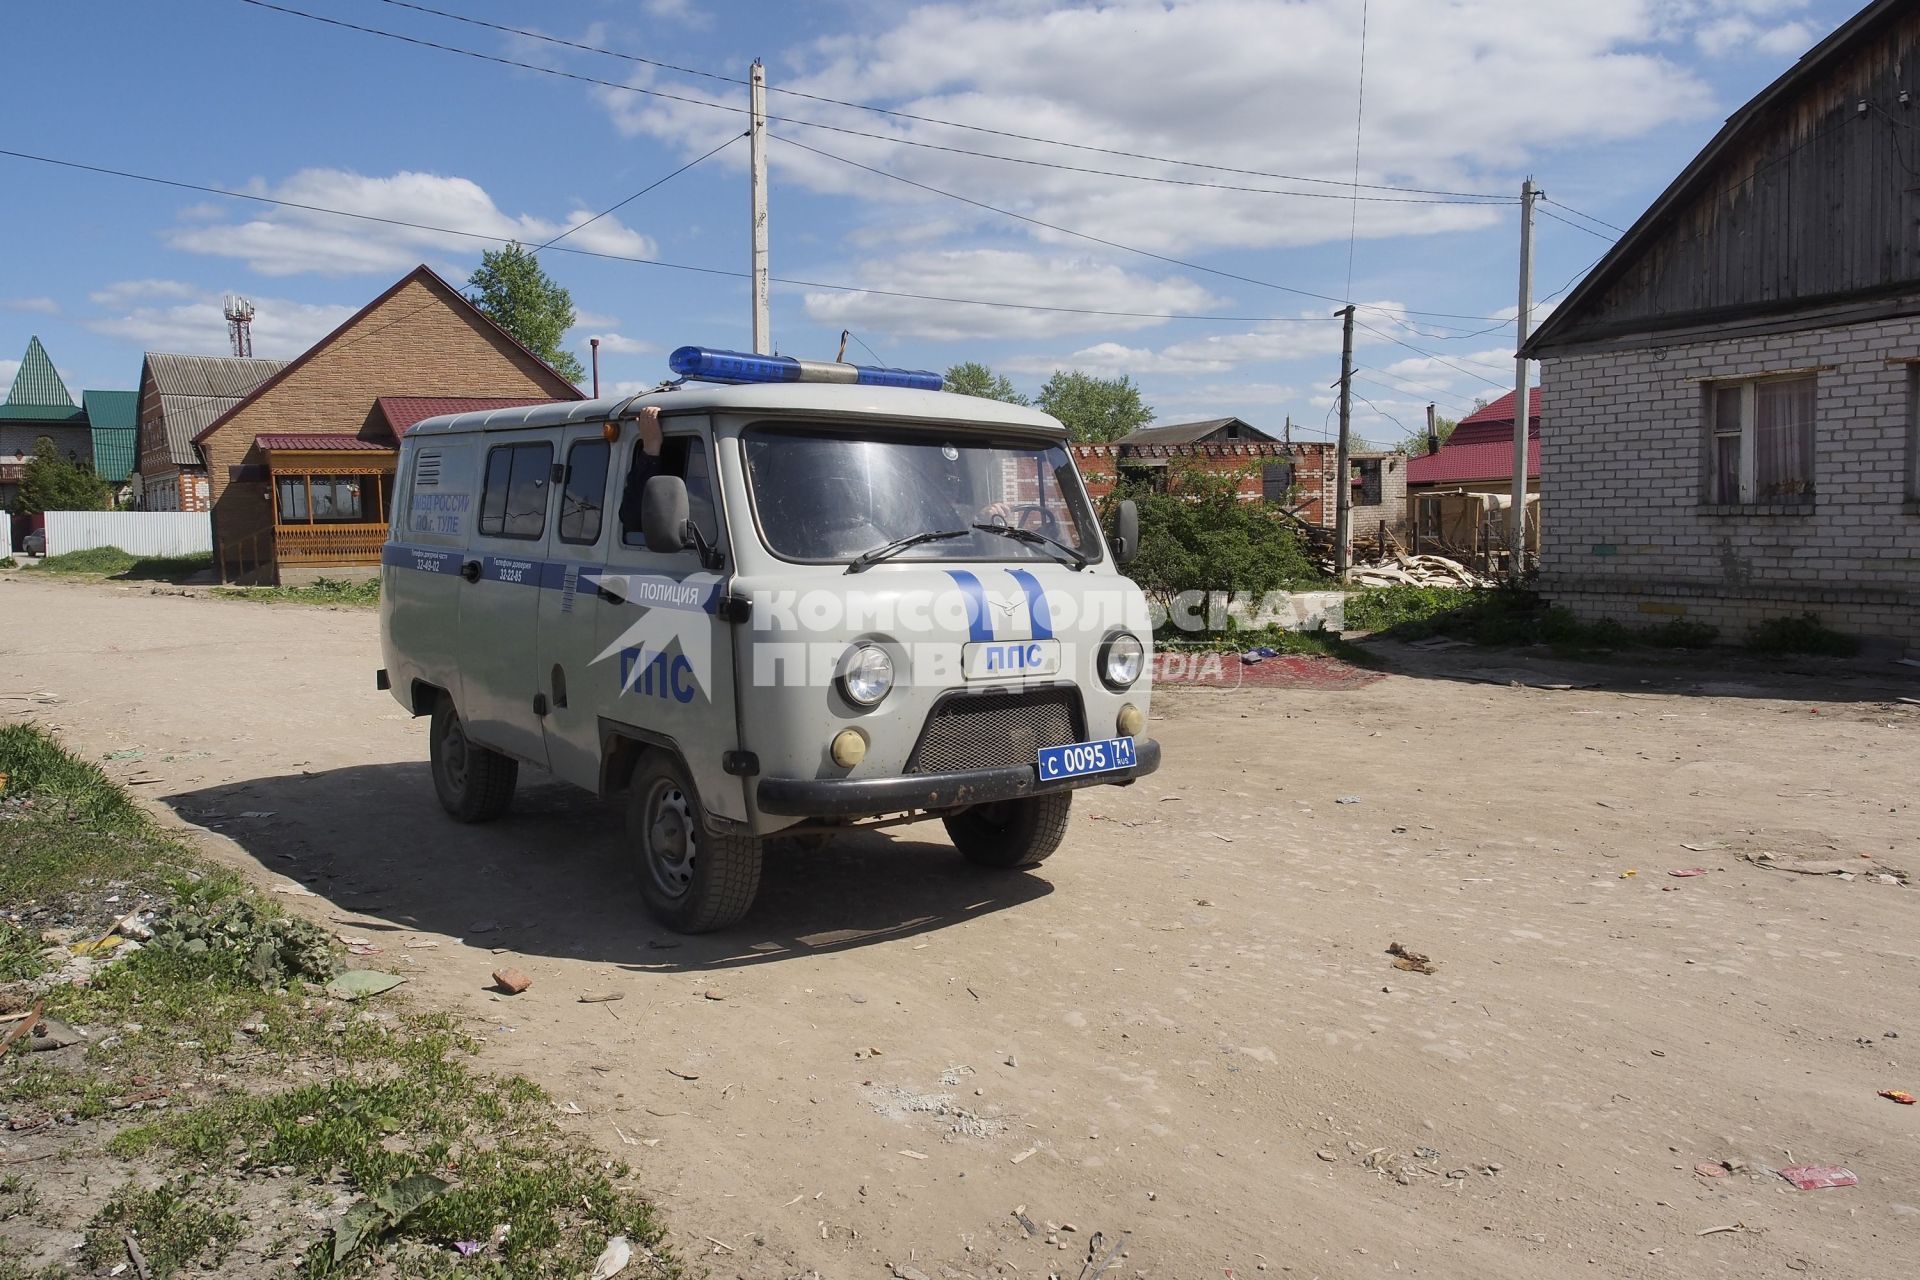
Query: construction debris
(1402, 570)
(1411, 961)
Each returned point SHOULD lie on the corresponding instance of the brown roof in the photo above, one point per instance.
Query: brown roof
(321, 442)
(563, 390)
(401, 412)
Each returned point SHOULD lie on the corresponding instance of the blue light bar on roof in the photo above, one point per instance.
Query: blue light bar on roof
(707, 365)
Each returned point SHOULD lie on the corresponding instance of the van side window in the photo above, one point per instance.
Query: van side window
(514, 502)
(683, 456)
(585, 495)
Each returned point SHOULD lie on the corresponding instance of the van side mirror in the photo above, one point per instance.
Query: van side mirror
(664, 521)
(1126, 542)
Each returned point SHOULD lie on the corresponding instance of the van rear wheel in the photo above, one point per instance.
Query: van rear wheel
(474, 784)
(1010, 834)
(693, 879)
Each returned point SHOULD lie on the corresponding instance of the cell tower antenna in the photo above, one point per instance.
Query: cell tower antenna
(240, 324)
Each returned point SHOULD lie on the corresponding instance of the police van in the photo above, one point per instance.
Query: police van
(773, 598)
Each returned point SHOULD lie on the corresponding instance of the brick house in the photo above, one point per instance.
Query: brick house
(1736, 386)
(178, 396)
(299, 469)
(1459, 495)
(38, 406)
(1296, 476)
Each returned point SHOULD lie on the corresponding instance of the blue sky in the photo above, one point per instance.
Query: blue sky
(1602, 102)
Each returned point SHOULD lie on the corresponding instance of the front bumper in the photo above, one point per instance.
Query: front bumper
(864, 797)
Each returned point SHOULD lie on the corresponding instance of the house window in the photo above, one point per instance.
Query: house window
(1366, 482)
(585, 495)
(1760, 442)
(343, 499)
(514, 502)
(1276, 482)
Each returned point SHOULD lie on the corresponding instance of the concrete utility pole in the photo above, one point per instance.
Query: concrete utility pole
(757, 146)
(1342, 483)
(1517, 517)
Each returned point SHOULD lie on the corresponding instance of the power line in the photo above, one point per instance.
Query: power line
(1571, 223)
(1488, 196)
(859, 133)
(1578, 214)
(636, 195)
(1111, 244)
(656, 262)
(1429, 355)
(1406, 384)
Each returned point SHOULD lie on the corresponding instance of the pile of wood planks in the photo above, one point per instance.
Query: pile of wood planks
(1402, 570)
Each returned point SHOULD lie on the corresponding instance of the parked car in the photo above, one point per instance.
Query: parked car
(35, 543)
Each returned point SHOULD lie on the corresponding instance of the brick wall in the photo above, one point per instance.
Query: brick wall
(1632, 537)
(1313, 468)
(419, 341)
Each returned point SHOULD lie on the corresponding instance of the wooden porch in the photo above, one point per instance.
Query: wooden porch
(329, 512)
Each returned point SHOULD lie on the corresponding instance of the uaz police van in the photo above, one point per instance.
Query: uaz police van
(773, 598)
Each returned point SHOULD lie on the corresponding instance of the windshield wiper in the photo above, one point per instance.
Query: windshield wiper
(889, 549)
(1037, 539)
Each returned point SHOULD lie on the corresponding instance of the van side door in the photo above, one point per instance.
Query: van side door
(670, 674)
(586, 521)
(504, 567)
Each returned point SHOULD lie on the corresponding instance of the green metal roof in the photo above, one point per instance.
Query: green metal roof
(111, 409)
(38, 382)
(114, 450)
(50, 413)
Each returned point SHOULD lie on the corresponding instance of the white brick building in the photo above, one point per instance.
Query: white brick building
(1736, 387)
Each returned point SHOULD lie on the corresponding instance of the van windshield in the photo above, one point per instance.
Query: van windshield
(825, 494)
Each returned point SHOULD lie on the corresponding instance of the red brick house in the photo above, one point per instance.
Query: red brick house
(299, 468)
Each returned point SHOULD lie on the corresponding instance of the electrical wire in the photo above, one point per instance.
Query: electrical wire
(1101, 240)
(858, 133)
(656, 262)
(1559, 204)
(1575, 225)
(1406, 384)
(922, 119)
(636, 195)
(1429, 355)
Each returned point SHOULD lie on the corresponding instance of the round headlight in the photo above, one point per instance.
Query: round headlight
(1121, 660)
(866, 674)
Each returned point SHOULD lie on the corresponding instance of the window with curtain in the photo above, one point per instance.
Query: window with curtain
(1760, 440)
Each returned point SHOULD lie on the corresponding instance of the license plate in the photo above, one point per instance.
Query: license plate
(1001, 659)
(1077, 758)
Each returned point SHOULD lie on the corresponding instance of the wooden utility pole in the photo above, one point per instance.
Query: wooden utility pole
(1517, 516)
(757, 165)
(1342, 483)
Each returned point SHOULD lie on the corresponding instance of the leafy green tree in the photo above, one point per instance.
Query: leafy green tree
(1094, 408)
(516, 294)
(972, 378)
(1415, 445)
(51, 482)
(1199, 535)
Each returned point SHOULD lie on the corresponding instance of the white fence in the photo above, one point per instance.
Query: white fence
(6, 535)
(140, 533)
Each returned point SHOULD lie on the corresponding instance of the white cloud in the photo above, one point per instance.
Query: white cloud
(628, 387)
(617, 344)
(31, 306)
(122, 292)
(282, 241)
(594, 320)
(281, 327)
(994, 275)
(686, 12)
(1243, 83)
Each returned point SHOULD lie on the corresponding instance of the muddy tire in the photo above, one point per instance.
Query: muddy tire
(1011, 834)
(693, 879)
(474, 784)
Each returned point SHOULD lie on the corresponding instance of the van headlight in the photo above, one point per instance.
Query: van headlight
(866, 674)
(1122, 658)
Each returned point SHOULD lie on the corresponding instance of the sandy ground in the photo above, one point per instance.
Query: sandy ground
(1185, 1028)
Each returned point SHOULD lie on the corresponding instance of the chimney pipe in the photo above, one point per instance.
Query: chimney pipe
(1433, 434)
(595, 344)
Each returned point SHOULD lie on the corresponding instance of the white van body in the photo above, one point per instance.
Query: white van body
(716, 678)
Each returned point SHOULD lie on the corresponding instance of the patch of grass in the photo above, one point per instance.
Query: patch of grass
(8, 562)
(65, 824)
(19, 956)
(360, 595)
(173, 1222)
(112, 562)
(1502, 616)
(1327, 644)
(1801, 634)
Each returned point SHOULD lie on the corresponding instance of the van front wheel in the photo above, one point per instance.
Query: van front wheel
(474, 784)
(693, 879)
(1010, 834)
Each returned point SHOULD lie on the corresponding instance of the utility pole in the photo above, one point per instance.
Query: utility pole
(1342, 483)
(757, 147)
(1517, 516)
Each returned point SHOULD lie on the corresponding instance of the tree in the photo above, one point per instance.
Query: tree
(975, 379)
(512, 290)
(50, 482)
(1094, 408)
(1198, 534)
(1415, 445)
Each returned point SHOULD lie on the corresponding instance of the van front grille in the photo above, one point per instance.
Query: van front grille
(995, 730)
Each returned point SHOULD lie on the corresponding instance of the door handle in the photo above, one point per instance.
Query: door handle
(470, 571)
(609, 594)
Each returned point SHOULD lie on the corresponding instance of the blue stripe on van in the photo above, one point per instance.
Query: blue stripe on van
(425, 559)
(1037, 610)
(654, 590)
(979, 625)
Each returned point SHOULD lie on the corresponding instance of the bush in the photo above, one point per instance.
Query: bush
(1200, 536)
(1801, 634)
(115, 563)
(241, 938)
(1507, 616)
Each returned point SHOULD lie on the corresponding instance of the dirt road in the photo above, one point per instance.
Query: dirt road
(1186, 1027)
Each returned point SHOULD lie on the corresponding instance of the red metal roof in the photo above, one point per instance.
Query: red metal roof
(1481, 447)
(403, 411)
(315, 442)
